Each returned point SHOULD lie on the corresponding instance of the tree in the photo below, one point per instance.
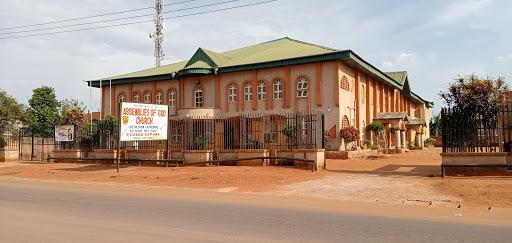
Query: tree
(11, 112)
(476, 94)
(435, 125)
(44, 111)
(74, 116)
(67, 105)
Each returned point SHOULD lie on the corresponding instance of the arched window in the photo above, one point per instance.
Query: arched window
(278, 89)
(232, 93)
(262, 90)
(158, 97)
(344, 122)
(363, 94)
(248, 91)
(121, 98)
(302, 87)
(147, 97)
(384, 102)
(136, 97)
(344, 83)
(371, 96)
(198, 92)
(172, 97)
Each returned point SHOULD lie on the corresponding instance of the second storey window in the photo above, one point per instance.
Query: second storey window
(302, 87)
(198, 97)
(248, 91)
(172, 98)
(158, 97)
(136, 98)
(262, 90)
(121, 98)
(147, 97)
(232, 93)
(278, 89)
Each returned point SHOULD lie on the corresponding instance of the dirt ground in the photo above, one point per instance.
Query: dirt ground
(409, 178)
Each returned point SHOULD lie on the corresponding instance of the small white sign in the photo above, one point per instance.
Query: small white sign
(141, 121)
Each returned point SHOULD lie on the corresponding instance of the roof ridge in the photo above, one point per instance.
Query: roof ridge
(311, 44)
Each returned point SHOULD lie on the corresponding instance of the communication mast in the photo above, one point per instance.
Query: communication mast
(158, 36)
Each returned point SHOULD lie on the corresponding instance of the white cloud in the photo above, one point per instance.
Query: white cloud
(505, 58)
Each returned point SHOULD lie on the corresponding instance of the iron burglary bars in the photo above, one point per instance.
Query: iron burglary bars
(246, 131)
(464, 130)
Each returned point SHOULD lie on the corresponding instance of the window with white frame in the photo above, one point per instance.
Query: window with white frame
(232, 93)
(176, 132)
(136, 98)
(147, 97)
(262, 90)
(172, 98)
(248, 91)
(158, 97)
(302, 87)
(278, 89)
(198, 97)
(121, 98)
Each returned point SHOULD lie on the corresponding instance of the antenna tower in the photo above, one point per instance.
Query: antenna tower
(158, 36)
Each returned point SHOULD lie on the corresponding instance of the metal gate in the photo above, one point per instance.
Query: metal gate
(33, 147)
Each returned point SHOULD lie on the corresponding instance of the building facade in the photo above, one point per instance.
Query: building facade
(279, 76)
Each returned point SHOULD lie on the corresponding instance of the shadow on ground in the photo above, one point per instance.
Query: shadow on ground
(398, 170)
(86, 168)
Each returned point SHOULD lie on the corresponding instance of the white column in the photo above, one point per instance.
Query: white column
(398, 144)
(403, 138)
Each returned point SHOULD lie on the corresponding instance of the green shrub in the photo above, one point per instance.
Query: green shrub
(199, 143)
(392, 129)
(376, 126)
(256, 144)
(430, 141)
(290, 130)
(349, 134)
(2, 142)
(367, 143)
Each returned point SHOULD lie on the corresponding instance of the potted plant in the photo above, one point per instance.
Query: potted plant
(367, 143)
(349, 135)
(199, 143)
(429, 142)
(290, 131)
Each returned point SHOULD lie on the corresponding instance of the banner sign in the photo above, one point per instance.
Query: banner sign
(141, 121)
(64, 133)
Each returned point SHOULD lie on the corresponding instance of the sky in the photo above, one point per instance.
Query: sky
(434, 41)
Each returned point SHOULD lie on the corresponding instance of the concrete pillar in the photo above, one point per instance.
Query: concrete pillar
(398, 144)
(417, 140)
(421, 141)
(402, 133)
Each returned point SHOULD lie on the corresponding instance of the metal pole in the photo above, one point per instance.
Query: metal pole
(101, 100)
(119, 134)
(110, 96)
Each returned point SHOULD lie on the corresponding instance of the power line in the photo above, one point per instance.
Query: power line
(139, 22)
(112, 20)
(94, 16)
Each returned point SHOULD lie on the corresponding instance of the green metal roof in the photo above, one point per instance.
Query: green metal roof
(280, 52)
(400, 77)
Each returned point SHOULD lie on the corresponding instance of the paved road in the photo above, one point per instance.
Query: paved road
(30, 214)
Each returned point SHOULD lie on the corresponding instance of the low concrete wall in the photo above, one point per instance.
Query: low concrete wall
(349, 154)
(438, 142)
(63, 156)
(474, 158)
(227, 154)
(197, 156)
(251, 153)
(146, 154)
(8, 155)
(477, 158)
(102, 154)
(314, 154)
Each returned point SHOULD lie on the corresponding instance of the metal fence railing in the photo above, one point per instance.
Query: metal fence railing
(247, 131)
(464, 130)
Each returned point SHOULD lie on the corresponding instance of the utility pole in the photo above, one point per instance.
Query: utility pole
(158, 36)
